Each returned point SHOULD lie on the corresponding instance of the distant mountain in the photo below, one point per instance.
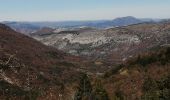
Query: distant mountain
(126, 21)
(30, 27)
(122, 21)
(151, 20)
(98, 23)
(22, 27)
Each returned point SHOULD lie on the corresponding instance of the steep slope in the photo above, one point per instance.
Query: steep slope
(29, 69)
(145, 77)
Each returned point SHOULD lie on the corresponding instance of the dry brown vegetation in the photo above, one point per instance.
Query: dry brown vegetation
(128, 80)
(33, 71)
(30, 66)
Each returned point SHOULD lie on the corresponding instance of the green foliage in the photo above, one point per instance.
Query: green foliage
(165, 57)
(87, 92)
(144, 60)
(84, 89)
(53, 54)
(119, 95)
(64, 63)
(150, 85)
(41, 77)
(165, 94)
(162, 56)
(32, 95)
(157, 90)
(9, 90)
(99, 93)
(4, 66)
(151, 96)
(113, 71)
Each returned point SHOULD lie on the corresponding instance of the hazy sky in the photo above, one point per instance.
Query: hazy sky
(57, 10)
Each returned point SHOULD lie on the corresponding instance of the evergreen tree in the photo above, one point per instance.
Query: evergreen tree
(119, 95)
(99, 93)
(84, 89)
(157, 90)
(149, 85)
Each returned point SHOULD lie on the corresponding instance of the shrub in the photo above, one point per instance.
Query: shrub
(113, 71)
(9, 90)
(99, 93)
(84, 89)
(119, 95)
(157, 90)
(149, 85)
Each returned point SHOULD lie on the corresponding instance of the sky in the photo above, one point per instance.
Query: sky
(64, 10)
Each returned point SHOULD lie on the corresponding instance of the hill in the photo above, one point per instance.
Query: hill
(146, 77)
(136, 58)
(25, 28)
(31, 70)
(112, 45)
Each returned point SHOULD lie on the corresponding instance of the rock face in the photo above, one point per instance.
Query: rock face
(116, 44)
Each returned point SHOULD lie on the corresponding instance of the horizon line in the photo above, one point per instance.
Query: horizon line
(79, 20)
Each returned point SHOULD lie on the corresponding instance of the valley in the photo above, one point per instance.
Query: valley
(129, 62)
(113, 44)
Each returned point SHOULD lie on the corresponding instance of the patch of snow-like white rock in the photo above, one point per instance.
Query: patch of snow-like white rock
(3, 76)
(72, 43)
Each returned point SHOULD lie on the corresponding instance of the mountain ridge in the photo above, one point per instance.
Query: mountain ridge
(29, 27)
